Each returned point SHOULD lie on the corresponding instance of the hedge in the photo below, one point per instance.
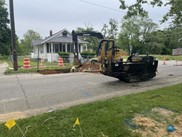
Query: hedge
(63, 54)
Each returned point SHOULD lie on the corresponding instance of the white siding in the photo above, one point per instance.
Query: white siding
(51, 56)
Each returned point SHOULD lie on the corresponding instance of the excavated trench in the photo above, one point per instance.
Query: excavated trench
(86, 67)
(54, 71)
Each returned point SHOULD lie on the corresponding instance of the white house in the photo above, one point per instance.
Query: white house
(49, 47)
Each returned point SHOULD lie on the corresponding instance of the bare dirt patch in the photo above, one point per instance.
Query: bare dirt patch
(55, 71)
(89, 67)
(13, 115)
(153, 126)
(85, 67)
(163, 112)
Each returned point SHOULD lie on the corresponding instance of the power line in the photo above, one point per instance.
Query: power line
(101, 6)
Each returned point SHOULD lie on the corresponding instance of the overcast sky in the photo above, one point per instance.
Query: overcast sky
(45, 15)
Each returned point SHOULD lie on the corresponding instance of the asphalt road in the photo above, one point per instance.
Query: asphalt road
(34, 93)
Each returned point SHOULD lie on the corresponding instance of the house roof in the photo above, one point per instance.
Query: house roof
(65, 40)
(57, 38)
(36, 42)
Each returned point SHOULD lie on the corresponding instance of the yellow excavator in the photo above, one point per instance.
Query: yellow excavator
(136, 68)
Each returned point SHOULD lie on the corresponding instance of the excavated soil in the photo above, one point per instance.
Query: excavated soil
(56, 71)
(89, 67)
(86, 67)
(155, 124)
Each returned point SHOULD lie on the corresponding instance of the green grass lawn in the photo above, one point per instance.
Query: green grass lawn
(168, 57)
(161, 57)
(1, 61)
(100, 119)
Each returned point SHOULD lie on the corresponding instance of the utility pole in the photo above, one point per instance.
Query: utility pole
(13, 37)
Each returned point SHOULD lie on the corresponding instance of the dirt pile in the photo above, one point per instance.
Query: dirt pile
(86, 67)
(156, 122)
(89, 67)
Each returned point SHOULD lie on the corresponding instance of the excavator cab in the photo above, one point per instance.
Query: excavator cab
(107, 50)
(108, 54)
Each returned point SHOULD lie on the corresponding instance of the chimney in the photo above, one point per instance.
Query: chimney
(50, 32)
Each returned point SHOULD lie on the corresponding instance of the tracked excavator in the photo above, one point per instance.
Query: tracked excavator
(135, 68)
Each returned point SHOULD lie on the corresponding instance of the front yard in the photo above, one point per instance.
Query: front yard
(144, 114)
(35, 66)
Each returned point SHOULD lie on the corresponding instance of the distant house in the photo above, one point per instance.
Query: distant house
(177, 51)
(49, 47)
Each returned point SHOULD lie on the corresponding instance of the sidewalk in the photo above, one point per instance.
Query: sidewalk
(3, 68)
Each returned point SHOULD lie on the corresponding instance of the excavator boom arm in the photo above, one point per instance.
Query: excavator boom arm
(85, 33)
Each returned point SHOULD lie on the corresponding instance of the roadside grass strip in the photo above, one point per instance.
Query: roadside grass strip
(124, 116)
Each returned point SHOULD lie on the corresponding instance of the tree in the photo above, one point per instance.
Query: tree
(104, 30)
(146, 26)
(20, 48)
(5, 32)
(175, 12)
(26, 42)
(129, 34)
(173, 38)
(137, 9)
(110, 30)
(134, 31)
(155, 42)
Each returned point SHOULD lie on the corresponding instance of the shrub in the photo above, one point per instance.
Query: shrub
(88, 54)
(63, 54)
(4, 57)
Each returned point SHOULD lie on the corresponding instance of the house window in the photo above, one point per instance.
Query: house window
(55, 48)
(48, 48)
(68, 48)
(41, 49)
(60, 47)
(72, 47)
(64, 48)
(64, 34)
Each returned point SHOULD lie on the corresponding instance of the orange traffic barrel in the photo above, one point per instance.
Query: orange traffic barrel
(26, 63)
(60, 62)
